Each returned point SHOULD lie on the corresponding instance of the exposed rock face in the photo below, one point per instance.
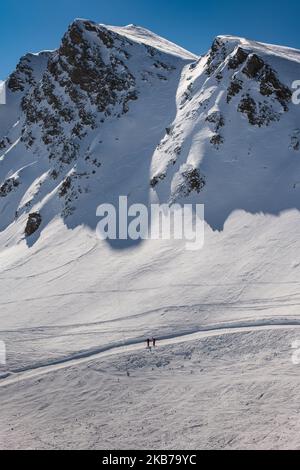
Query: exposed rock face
(102, 80)
(234, 88)
(33, 223)
(28, 72)
(253, 65)
(271, 85)
(8, 186)
(259, 114)
(245, 64)
(216, 140)
(156, 179)
(262, 113)
(4, 143)
(237, 59)
(216, 56)
(217, 119)
(193, 181)
(187, 180)
(85, 78)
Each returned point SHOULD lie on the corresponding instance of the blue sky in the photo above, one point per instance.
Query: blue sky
(33, 25)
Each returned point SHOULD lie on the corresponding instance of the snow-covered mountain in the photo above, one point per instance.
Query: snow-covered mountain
(73, 109)
(121, 111)
(237, 127)
(220, 129)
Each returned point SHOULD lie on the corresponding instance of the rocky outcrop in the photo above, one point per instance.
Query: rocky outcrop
(28, 72)
(234, 88)
(33, 223)
(84, 79)
(253, 65)
(271, 85)
(216, 118)
(259, 114)
(237, 59)
(8, 186)
(186, 181)
(194, 181)
(156, 179)
(216, 56)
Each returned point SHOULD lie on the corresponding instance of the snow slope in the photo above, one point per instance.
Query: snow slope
(120, 111)
(237, 390)
(136, 33)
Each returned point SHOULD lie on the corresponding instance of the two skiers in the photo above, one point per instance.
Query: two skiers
(153, 343)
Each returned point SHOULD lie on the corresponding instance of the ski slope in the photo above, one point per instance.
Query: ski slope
(215, 391)
(19, 375)
(75, 311)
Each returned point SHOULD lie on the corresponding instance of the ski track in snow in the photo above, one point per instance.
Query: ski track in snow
(133, 346)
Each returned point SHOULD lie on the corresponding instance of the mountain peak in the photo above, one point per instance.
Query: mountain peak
(71, 112)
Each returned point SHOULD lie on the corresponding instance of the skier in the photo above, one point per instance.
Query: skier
(148, 343)
(154, 342)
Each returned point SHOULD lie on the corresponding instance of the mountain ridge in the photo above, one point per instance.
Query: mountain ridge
(67, 96)
(187, 138)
